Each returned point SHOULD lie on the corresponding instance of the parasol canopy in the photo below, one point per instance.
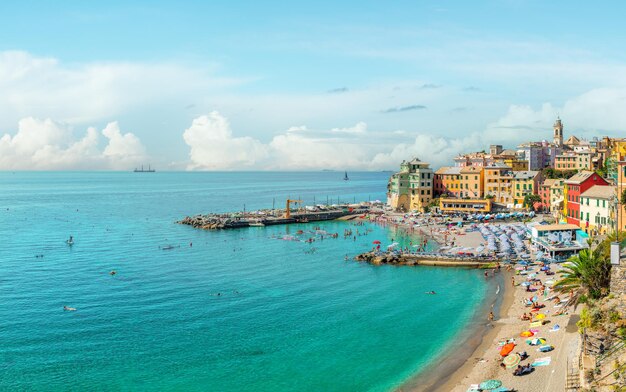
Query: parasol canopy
(512, 360)
(507, 348)
(490, 384)
(526, 334)
(376, 242)
(536, 341)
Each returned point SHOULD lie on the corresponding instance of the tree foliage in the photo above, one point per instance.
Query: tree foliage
(552, 173)
(587, 273)
(530, 200)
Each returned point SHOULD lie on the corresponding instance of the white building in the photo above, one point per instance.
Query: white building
(595, 208)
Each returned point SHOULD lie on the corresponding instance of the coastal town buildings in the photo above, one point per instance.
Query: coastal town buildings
(411, 189)
(551, 193)
(559, 241)
(576, 186)
(505, 177)
(471, 182)
(596, 209)
(448, 182)
(616, 161)
(464, 205)
(524, 183)
(498, 181)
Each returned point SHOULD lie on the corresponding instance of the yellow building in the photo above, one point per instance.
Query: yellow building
(516, 164)
(448, 181)
(616, 168)
(464, 205)
(411, 189)
(581, 160)
(497, 183)
(471, 182)
(524, 183)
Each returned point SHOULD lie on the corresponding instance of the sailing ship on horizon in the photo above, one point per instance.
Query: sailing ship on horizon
(149, 170)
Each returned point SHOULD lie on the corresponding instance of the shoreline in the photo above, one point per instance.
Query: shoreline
(451, 365)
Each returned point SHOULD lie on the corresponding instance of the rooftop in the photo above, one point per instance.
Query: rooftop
(449, 170)
(599, 192)
(556, 227)
(525, 175)
(579, 177)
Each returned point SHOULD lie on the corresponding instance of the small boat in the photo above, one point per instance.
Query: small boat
(345, 176)
(169, 247)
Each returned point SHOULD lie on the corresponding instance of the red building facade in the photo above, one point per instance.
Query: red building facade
(576, 185)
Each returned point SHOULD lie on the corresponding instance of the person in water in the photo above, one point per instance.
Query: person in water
(69, 309)
(491, 316)
(431, 292)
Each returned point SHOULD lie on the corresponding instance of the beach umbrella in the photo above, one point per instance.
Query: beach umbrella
(511, 360)
(536, 341)
(526, 334)
(376, 242)
(540, 316)
(489, 384)
(507, 348)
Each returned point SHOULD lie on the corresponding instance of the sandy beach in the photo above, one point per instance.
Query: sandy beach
(477, 355)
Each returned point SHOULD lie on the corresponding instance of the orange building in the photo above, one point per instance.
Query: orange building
(447, 181)
(471, 182)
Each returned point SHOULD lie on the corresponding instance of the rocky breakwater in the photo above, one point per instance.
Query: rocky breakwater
(423, 259)
(208, 222)
(387, 258)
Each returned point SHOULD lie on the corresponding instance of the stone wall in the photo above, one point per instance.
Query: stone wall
(618, 285)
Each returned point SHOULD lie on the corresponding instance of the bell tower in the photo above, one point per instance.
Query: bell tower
(558, 132)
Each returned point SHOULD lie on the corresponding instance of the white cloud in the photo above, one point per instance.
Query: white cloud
(46, 88)
(213, 146)
(49, 145)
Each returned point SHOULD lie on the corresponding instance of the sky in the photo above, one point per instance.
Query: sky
(269, 85)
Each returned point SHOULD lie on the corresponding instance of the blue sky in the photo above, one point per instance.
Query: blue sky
(292, 82)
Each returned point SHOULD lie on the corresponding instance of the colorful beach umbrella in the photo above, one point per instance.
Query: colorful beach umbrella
(489, 384)
(506, 349)
(511, 360)
(527, 334)
(536, 341)
(376, 242)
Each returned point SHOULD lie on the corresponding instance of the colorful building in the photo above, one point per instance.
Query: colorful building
(576, 186)
(411, 189)
(551, 193)
(524, 183)
(448, 181)
(616, 167)
(464, 205)
(498, 181)
(471, 182)
(596, 209)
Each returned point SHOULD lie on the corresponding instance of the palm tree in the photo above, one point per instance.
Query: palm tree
(587, 273)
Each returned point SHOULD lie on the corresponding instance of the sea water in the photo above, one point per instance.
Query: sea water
(238, 310)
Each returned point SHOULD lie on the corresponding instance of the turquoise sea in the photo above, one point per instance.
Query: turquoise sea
(287, 317)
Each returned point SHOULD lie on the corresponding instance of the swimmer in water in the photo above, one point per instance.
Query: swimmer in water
(112, 272)
(69, 309)
(431, 292)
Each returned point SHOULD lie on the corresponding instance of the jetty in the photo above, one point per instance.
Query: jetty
(275, 217)
(426, 258)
